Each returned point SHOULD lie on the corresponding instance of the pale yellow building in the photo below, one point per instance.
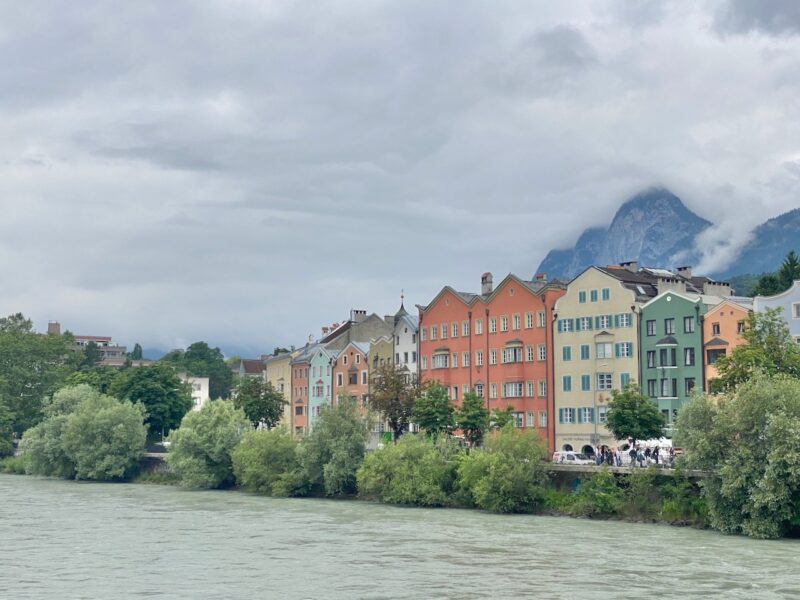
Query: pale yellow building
(278, 372)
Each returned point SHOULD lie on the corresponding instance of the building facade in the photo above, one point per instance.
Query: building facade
(494, 343)
(788, 302)
(723, 326)
(278, 373)
(351, 373)
(321, 382)
(406, 328)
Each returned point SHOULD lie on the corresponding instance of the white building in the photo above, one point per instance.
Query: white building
(199, 388)
(406, 328)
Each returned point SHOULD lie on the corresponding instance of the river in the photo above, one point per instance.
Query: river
(69, 540)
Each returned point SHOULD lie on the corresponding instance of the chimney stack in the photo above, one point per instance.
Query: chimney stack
(358, 315)
(486, 284)
(630, 265)
(685, 272)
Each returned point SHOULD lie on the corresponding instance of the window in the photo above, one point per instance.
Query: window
(530, 422)
(566, 383)
(479, 390)
(796, 310)
(688, 386)
(651, 327)
(582, 297)
(586, 383)
(363, 378)
(512, 355)
(542, 418)
(493, 325)
(492, 390)
(540, 318)
(339, 380)
(584, 351)
(688, 357)
(605, 381)
(492, 356)
(566, 353)
(624, 320)
(454, 330)
(298, 410)
(542, 388)
(352, 378)
(515, 322)
(512, 390)
(405, 358)
(624, 349)
(593, 295)
(713, 356)
(651, 359)
(651, 388)
(606, 293)
(542, 349)
(669, 326)
(602, 414)
(344, 359)
(586, 415)
(669, 388)
(688, 324)
(664, 387)
(583, 324)
(465, 328)
(566, 415)
(624, 379)
(603, 350)
(465, 359)
(603, 321)
(414, 356)
(424, 362)
(440, 361)
(740, 327)
(504, 323)
(454, 396)
(530, 390)
(454, 360)
(479, 358)
(434, 330)
(668, 357)
(528, 320)
(444, 331)
(715, 329)
(565, 325)
(529, 353)
(358, 359)
(478, 326)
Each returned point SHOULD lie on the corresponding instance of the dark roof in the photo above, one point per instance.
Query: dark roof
(667, 341)
(715, 342)
(252, 366)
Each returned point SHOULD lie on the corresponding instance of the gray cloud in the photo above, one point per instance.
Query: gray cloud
(244, 172)
(767, 16)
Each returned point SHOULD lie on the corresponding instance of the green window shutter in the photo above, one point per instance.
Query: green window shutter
(560, 415)
(616, 350)
(560, 326)
(591, 415)
(597, 322)
(624, 379)
(616, 320)
(572, 324)
(589, 322)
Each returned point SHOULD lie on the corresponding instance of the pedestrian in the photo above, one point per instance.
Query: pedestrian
(640, 458)
(632, 454)
(671, 456)
(618, 457)
(647, 454)
(655, 455)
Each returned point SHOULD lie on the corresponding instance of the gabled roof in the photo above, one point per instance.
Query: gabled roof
(715, 342)
(667, 341)
(252, 366)
(795, 289)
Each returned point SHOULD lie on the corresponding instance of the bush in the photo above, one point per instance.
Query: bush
(683, 502)
(13, 465)
(334, 450)
(266, 462)
(598, 496)
(414, 471)
(44, 451)
(200, 451)
(643, 494)
(508, 475)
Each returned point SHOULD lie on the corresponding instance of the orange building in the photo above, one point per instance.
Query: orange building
(497, 344)
(300, 367)
(723, 326)
(351, 373)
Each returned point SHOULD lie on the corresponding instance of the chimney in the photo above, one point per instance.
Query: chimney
(486, 284)
(541, 277)
(325, 331)
(672, 284)
(389, 319)
(685, 272)
(717, 288)
(630, 265)
(54, 327)
(357, 315)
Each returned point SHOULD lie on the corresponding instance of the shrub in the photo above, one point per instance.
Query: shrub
(508, 475)
(13, 465)
(415, 471)
(266, 462)
(643, 493)
(200, 450)
(598, 496)
(44, 451)
(683, 502)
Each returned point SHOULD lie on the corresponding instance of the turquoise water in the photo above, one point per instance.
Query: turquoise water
(107, 541)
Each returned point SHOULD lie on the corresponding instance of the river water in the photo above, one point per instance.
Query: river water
(68, 540)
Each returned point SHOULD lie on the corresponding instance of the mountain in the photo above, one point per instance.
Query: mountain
(768, 246)
(653, 228)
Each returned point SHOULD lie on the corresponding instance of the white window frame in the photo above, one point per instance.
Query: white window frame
(479, 327)
(503, 323)
(492, 356)
(542, 352)
(542, 388)
(528, 320)
(465, 329)
(493, 325)
(465, 359)
(541, 319)
(515, 322)
(479, 358)
(605, 381)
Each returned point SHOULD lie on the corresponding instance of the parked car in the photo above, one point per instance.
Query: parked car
(572, 458)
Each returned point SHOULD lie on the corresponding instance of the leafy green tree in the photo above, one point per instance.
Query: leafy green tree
(393, 394)
(473, 418)
(749, 442)
(200, 450)
(508, 474)
(770, 284)
(631, 414)
(598, 496)
(100, 378)
(267, 462)
(261, 402)
(501, 418)
(334, 450)
(433, 411)
(164, 396)
(32, 367)
(137, 353)
(414, 471)
(200, 360)
(768, 348)
(6, 429)
(92, 356)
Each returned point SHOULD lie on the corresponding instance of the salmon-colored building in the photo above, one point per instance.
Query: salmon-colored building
(351, 373)
(300, 366)
(497, 344)
(723, 326)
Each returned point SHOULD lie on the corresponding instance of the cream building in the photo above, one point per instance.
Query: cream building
(278, 372)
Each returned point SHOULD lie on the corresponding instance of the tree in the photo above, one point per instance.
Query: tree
(770, 284)
(165, 397)
(433, 411)
(749, 443)
(393, 394)
(473, 418)
(100, 378)
(261, 402)
(508, 474)
(92, 356)
(200, 360)
(267, 462)
(768, 348)
(137, 353)
(6, 429)
(333, 451)
(200, 450)
(32, 367)
(631, 414)
(500, 418)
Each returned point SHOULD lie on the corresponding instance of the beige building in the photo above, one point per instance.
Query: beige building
(278, 372)
(595, 351)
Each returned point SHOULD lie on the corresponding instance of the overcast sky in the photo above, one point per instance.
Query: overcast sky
(245, 171)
